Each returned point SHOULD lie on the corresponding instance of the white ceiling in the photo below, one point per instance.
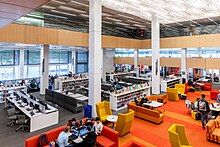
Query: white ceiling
(168, 11)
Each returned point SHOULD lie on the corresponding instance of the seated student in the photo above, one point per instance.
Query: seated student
(72, 122)
(90, 138)
(98, 126)
(218, 98)
(89, 123)
(143, 100)
(63, 137)
(136, 101)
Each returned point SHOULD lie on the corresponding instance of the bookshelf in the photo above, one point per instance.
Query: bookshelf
(170, 83)
(120, 98)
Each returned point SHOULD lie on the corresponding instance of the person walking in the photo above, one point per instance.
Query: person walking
(204, 109)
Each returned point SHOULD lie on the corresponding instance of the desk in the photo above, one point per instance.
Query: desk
(83, 98)
(38, 120)
(215, 108)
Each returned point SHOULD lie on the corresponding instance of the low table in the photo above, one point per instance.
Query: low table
(112, 119)
(153, 104)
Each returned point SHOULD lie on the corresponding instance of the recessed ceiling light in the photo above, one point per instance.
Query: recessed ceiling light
(84, 15)
(113, 19)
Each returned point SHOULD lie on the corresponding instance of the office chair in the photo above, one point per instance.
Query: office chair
(11, 116)
(22, 121)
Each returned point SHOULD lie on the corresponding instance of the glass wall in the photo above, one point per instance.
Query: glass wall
(82, 61)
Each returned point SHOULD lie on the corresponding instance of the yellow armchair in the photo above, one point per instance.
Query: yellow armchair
(172, 94)
(124, 122)
(103, 110)
(180, 88)
(177, 136)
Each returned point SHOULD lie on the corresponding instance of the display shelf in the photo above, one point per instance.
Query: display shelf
(120, 100)
(170, 83)
(66, 83)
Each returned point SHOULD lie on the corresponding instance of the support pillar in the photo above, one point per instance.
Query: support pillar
(183, 64)
(155, 44)
(44, 80)
(72, 65)
(21, 65)
(104, 66)
(136, 68)
(95, 53)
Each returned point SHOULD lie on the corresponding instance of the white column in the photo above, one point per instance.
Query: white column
(104, 66)
(155, 44)
(72, 65)
(21, 66)
(44, 68)
(95, 53)
(136, 69)
(183, 63)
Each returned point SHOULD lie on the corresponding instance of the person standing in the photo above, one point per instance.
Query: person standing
(204, 109)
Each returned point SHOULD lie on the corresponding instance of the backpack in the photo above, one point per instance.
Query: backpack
(43, 140)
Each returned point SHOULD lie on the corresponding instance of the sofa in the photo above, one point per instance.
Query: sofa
(124, 122)
(207, 86)
(103, 110)
(172, 94)
(158, 97)
(154, 116)
(177, 136)
(213, 130)
(108, 138)
(133, 143)
(51, 134)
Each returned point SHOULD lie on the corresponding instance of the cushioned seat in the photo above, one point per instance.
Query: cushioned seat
(180, 88)
(105, 142)
(103, 110)
(177, 136)
(214, 93)
(172, 94)
(124, 122)
(213, 130)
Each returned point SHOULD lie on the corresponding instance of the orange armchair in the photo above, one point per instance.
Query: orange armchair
(172, 94)
(124, 122)
(103, 110)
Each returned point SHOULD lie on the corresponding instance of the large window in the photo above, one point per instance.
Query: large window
(32, 57)
(63, 57)
(9, 57)
(81, 61)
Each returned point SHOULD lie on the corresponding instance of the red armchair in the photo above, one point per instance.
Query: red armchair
(133, 143)
(108, 138)
(52, 135)
(214, 93)
(207, 86)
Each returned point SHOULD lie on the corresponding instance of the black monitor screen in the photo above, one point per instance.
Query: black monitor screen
(24, 100)
(36, 106)
(31, 104)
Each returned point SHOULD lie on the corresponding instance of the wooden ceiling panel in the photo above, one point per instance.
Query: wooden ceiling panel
(9, 15)
(25, 3)
(14, 9)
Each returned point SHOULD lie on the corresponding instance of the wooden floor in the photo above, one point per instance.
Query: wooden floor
(10, 138)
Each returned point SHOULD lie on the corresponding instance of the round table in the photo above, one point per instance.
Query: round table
(112, 119)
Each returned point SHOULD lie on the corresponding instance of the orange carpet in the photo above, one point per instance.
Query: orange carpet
(175, 112)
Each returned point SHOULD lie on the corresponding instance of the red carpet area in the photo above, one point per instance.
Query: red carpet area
(157, 135)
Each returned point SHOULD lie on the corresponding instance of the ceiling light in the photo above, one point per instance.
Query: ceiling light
(120, 23)
(72, 9)
(84, 15)
(106, 14)
(78, 3)
(60, 12)
(128, 17)
(47, 7)
(59, 2)
(113, 19)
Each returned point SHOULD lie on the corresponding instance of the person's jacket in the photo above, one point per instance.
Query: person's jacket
(203, 106)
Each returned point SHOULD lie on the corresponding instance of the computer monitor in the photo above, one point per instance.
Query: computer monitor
(25, 100)
(36, 107)
(31, 104)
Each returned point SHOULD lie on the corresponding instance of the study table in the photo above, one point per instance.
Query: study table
(38, 120)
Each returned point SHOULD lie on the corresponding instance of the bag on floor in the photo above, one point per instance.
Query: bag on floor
(43, 140)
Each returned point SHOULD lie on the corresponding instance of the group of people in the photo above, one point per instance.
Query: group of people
(94, 128)
(143, 100)
(201, 105)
